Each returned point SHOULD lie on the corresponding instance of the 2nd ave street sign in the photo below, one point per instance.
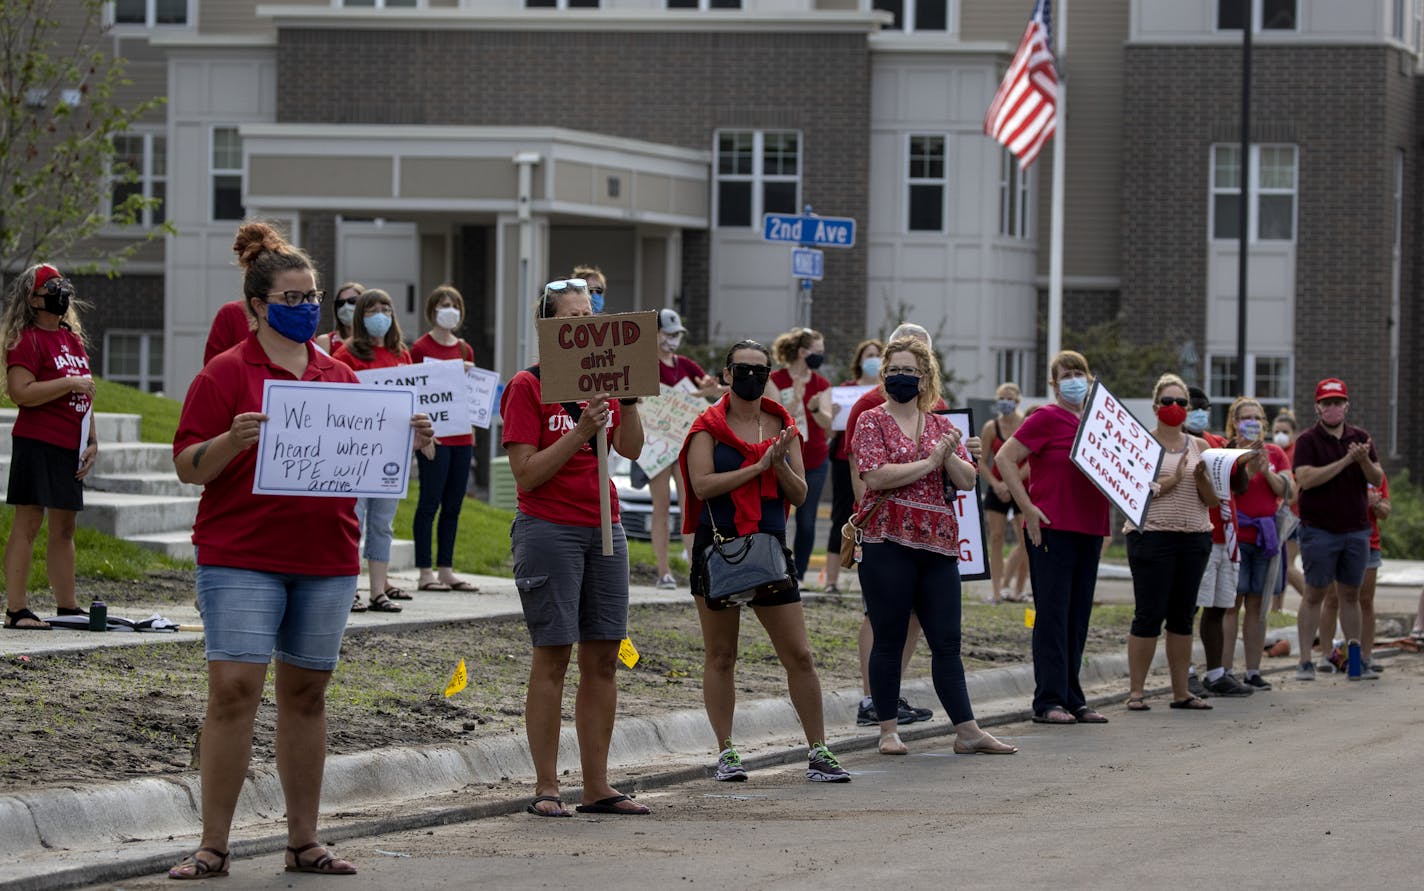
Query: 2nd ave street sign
(838, 232)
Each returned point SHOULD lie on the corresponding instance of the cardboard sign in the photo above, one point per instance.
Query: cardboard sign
(666, 421)
(482, 387)
(1219, 465)
(439, 391)
(335, 440)
(1115, 451)
(973, 558)
(844, 399)
(582, 357)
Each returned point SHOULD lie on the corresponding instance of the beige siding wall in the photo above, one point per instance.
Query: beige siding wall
(238, 16)
(1093, 202)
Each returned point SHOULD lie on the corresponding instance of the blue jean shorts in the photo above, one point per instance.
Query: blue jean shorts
(1376, 559)
(569, 590)
(1251, 574)
(376, 517)
(249, 616)
(1330, 557)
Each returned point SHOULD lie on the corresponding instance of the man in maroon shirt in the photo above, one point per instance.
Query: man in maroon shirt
(1335, 464)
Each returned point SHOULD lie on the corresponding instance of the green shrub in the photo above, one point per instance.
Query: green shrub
(1402, 535)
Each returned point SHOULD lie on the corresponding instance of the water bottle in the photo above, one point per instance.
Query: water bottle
(98, 616)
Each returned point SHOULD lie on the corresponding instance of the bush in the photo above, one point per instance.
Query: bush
(1402, 535)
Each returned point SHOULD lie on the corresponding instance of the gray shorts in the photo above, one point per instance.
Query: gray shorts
(569, 590)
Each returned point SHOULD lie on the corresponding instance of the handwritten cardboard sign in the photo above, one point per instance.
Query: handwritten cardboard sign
(1115, 451)
(439, 391)
(844, 399)
(582, 357)
(973, 558)
(666, 421)
(335, 440)
(1219, 465)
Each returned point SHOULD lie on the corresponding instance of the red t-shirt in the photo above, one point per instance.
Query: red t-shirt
(230, 327)
(1374, 520)
(266, 533)
(681, 367)
(814, 448)
(1258, 499)
(427, 347)
(380, 358)
(1059, 489)
(570, 496)
(49, 356)
(1340, 504)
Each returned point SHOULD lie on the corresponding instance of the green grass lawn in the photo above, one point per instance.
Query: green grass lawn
(96, 555)
(160, 414)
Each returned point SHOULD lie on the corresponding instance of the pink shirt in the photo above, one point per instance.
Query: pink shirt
(914, 515)
(1069, 500)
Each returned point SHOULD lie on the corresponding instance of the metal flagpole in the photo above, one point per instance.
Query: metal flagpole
(1244, 209)
(1055, 240)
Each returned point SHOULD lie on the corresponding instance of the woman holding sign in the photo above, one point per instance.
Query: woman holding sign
(443, 478)
(275, 575)
(570, 591)
(805, 394)
(907, 455)
(1065, 519)
(376, 342)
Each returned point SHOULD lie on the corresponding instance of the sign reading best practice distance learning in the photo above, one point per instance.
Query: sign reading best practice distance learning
(1115, 452)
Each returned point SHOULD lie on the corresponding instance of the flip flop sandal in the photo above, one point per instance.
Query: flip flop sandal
(395, 593)
(1137, 704)
(383, 604)
(197, 868)
(610, 806)
(432, 586)
(1192, 703)
(13, 620)
(464, 586)
(533, 807)
(1055, 716)
(325, 864)
(1088, 715)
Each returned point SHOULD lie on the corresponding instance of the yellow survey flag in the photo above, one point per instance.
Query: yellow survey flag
(1028, 617)
(627, 653)
(458, 680)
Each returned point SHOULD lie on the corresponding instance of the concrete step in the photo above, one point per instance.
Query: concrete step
(135, 457)
(179, 546)
(111, 427)
(142, 484)
(123, 515)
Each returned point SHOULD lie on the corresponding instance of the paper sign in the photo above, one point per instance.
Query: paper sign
(336, 440)
(627, 653)
(439, 391)
(1115, 452)
(794, 407)
(844, 399)
(973, 558)
(666, 422)
(458, 681)
(482, 387)
(1219, 465)
(84, 424)
(582, 357)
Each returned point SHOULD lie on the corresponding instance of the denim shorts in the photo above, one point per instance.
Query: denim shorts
(1376, 559)
(249, 616)
(569, 590)
(1251, 574)
(1330, 557)
(377, 517)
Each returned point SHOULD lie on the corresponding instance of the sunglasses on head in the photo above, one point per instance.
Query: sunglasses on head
(742, 371)
(560, 285)
(1174, 400)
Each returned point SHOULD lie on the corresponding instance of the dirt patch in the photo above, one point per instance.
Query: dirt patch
(135, 711)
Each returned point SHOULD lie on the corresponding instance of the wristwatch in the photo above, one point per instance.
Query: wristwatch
(627, 402)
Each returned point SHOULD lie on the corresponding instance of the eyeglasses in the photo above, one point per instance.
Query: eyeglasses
(560, 285)
(297, 298)
(1174, 400)
(56, 286)
(743, 371)
(595, 290)
(345, 301)
(911, 370)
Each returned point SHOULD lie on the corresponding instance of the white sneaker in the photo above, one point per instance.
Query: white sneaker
(667, 582)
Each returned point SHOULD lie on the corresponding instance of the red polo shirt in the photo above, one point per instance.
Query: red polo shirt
(49, 356)
(1055, 485)
(427, 347)
(814, 448)
(266, 533)
(230, 327)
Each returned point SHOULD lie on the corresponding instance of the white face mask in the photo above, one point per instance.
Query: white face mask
(1281, 438)
(670, 342)
(447, 317)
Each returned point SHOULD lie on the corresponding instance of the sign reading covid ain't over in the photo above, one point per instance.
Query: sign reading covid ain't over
(1115, 451)
(587, 355)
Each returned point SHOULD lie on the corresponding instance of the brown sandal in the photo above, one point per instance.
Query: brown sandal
(382, 603)
(325, 864)
(395, 593)
(198, 868)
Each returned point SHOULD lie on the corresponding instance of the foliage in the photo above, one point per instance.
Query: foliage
(1126, 367)
(59, 114)
(1402, 535)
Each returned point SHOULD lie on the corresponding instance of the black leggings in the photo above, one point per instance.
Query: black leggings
(1166, 572)
(898, 580)
(842, 503)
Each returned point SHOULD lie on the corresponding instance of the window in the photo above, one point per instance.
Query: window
(1013, 197)
(917, 15)
(150, 13)
(140, 167)
(1016, 366)
(704, 4)
(758, 172)
(560, 4)
(381, 4)
(134, 358)
(1271, 204)
(926, 182)
(1265, 15)
(227, 174)
(1268, 378)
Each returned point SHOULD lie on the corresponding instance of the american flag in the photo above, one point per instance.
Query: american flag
(1024, 111)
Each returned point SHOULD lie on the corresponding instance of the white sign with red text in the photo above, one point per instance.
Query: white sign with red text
(1115, 451)
(973, 559)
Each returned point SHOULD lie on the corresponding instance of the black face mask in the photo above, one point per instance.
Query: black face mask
(814, 360)
(57, 292)
(749, 381)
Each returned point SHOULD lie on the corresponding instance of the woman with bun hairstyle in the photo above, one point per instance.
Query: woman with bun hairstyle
(47, 376)
(865, 372)
(805, 394)
(343, 312)
(376, 342)
(275, 574)
(442, 478)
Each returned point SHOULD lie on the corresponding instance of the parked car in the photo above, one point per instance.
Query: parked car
(636, 505)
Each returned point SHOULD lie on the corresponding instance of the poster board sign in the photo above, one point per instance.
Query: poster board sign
(584, 356)
(334, 440)
(439, 391)
(1116, 453)
(666, 421)
(482, 387)
(968, 510)
(844, 399)
(1219, 465)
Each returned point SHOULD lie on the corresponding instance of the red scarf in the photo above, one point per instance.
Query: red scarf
(746, 500)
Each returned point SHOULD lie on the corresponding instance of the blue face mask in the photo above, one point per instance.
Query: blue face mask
(595, 298)
(870, 366)
(1005, 407)
(902, 387)
(377, 325)
(1073, 389)
(1197, 419)
(297, 323)
(1249, 429)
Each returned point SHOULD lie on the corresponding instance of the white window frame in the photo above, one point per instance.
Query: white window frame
(150, 14)
(146, 179)
(941, 181)
(146, 347)
(758, 177)
(907, 17)
(1270, 404)
(214, 172)
(564, 4)
(705, 6)
(1015, 364)
(376, 4)
(1257, 12)
(1253, 207)
(1014, 186)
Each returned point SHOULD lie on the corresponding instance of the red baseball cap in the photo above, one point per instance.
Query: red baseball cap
(43, 273)
(1331, 388)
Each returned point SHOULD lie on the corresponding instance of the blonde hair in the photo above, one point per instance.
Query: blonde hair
(787, 346)
(1285, 414)
(361, 345)
(928, 365)
(1236, 405)
(1008, 387)
(1170, 380)
(19, 315)
(584, 272)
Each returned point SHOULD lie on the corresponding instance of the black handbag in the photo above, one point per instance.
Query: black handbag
(741, 567)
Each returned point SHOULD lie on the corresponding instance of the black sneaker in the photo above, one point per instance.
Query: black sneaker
(1194, 687)
(1257, 681)
(1226, 685)
(865, 716)
(909, 714)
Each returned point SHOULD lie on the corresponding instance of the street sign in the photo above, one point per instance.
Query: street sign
(807, 263)
(838, 232)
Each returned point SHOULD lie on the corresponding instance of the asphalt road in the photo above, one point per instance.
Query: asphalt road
(1310, 785)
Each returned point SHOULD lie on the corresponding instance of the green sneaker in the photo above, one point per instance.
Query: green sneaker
(822, 766)
(729, 766)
